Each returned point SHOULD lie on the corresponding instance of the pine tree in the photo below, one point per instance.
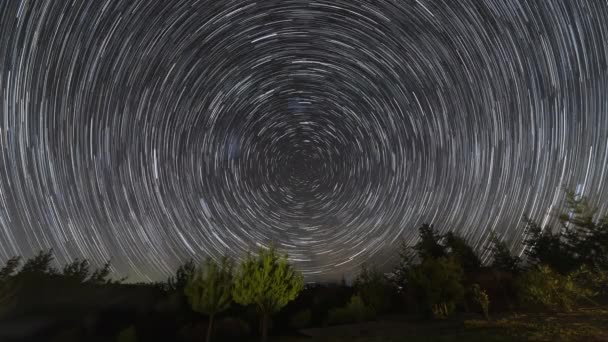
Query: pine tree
(209, 290)
(269, 282)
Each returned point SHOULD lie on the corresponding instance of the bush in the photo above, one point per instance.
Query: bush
(127, 335)
(355, 311)
(542, 287)
(374, 289)
(438, 284)
(301, 319)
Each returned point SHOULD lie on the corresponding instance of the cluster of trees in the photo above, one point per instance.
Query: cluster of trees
(561, 267)
(265, 280)
(33, 276)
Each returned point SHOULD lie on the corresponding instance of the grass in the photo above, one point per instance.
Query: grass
(590, 324)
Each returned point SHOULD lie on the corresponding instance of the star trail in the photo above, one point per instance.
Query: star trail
(149, 132)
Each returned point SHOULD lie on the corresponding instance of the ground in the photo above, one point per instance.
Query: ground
(590, 324)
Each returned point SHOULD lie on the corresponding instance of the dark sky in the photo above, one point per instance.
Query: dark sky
(152, 131)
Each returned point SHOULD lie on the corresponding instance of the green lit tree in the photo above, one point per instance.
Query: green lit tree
(267, 281)
(209, 290)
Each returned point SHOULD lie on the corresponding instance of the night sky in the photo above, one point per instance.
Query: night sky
(151, 131)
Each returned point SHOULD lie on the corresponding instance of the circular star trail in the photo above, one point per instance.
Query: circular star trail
(152, 131)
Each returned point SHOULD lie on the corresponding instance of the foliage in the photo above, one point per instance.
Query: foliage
(268, 281)
(482, 299)
(502, 259)
(80, 271)
(127, 335)
(354, 311)
(209, 290)
(429, 246)
(439, 283)
(586, 237)
(543, 287)
(301, 319)
(10, 268)
(39, 264)
(178, 282)
(582, 240)
(594, 280)
(373, 288)
(459, 249)
(545, 247)
(407, 257)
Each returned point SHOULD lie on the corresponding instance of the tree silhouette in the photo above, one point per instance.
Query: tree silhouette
(429, 245)
(373, 288)
(182, 275)
(458, 248)
(502, 259)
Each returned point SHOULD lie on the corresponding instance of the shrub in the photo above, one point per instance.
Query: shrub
(301, 319)
(543, 287)
(438, 284)
(374, 289)
(354, 311)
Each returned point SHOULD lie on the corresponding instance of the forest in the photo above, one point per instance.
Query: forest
(440, 290)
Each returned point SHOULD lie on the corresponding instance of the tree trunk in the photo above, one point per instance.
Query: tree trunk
(265, 327)
(209, 328)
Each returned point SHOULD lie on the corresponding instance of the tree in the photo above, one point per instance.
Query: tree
(182, 275)
(544, 247)
(10, 268)
(502, 259)
(102, 275)
(268, 281)
(39, 264)
(429, 245)
(373, 288)
(586, 238)
(7, 289)
(458, 247)
(77, 270)
(209, 290)
(407, 257)
(438, 282)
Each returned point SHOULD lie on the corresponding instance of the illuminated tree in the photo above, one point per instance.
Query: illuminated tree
(267, 281)
(209, 290)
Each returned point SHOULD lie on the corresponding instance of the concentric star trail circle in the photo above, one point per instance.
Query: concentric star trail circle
(152, 131)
